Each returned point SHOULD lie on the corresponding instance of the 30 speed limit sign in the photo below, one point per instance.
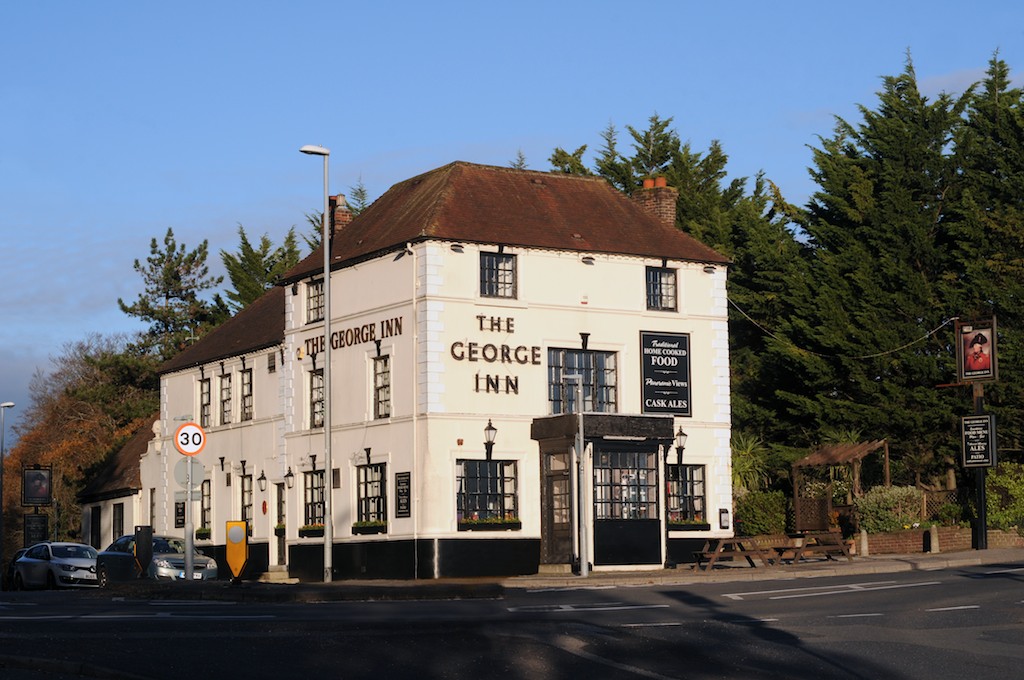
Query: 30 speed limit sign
(190, 439)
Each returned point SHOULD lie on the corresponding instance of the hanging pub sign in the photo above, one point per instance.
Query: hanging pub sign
(665, 370)
(979, 439)
(36, 486)
(976, 351)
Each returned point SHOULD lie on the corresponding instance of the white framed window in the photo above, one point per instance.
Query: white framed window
(245, 489)
(382, 387)
(225, 399)
(498, 275)
(246, 396)
(204, 402)
(315, 301)
(685, 495)
(600, 376)
(371, 493)
(661, 289)
(313, 498)
(316, 398)
(487, 490)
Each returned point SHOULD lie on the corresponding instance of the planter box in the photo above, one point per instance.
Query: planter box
(203, 536)
(689, 527)
(490, 526)
(311, 533)
(279, 531)
(363, 531)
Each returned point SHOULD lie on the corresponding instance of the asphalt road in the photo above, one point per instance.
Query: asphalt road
(923, 624)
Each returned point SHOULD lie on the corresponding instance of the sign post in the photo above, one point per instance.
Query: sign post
(190, 439)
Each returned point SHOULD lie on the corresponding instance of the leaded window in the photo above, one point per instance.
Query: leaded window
(315, 301)
(685, 494)
(625, 485)
(245, 486)
(225, 399)
(316, 398)
(599, 375)
(371, 493)
(205, 505)
(246, 405)
(313, 498)
(205, 398)
(487, 490)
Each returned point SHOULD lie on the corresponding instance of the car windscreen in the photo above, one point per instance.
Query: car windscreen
(71, 551)
(166, 546)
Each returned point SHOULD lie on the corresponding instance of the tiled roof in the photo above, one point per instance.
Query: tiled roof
(258, 326)
(487, 204)
(119, 475)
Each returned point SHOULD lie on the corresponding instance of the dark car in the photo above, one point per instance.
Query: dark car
(118, 562)
(56, 564)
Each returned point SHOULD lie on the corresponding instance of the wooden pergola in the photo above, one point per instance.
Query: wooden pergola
(814, 516)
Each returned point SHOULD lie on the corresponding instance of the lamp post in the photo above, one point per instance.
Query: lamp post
(3, 430)
(325, 244)
(581, 469)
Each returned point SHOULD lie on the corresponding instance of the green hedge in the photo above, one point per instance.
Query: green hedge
(889, 508)
(761, 512)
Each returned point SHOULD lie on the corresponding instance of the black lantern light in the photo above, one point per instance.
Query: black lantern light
(490, 432)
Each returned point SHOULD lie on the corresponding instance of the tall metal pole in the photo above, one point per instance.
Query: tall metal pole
(328, 463)
(3, 430)
(581, 468)
(981, 499)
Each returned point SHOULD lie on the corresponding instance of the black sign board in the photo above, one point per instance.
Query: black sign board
(979, 435)
(665, 367)
(179, 514)
(403, 494)
(37, 529)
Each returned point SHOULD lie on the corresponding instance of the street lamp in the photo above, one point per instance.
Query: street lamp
(680, 444)
(490, 432)
(325, 244)
(3, 429)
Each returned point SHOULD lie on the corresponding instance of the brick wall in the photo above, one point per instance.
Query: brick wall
(951, 539)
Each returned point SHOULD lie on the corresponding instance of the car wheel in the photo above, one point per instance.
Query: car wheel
(51, 582)
(102, 577)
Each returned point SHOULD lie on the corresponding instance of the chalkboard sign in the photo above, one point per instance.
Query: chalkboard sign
(979, 435)
(37, 529)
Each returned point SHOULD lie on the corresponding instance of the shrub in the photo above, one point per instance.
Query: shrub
(889, 508)
(1004, 491)
(761, 512)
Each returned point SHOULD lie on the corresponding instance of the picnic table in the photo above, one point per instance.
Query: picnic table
(828, 543)
(745, 547)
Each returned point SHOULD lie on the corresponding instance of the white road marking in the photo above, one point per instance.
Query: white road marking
(652, 625)
(568, 589)
(607, 607)
(818, 591)
(854, 616)
(1004, 571)
(951, 609)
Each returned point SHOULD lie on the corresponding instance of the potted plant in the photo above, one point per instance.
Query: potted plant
(203, 534)
(373, 526)
(311, 530)
(507, 523)
(279, 529)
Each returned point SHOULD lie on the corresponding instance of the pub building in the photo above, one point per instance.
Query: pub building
(483, 319)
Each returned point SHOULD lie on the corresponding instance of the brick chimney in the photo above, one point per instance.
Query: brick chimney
(658, 200)
(341, 215)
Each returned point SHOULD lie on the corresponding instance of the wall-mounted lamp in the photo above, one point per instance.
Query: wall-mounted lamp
(709, 269)
(680, 444)
(289, 478)
(490, 432)
(222, 463)
(457, 248)
(584, 340)
(587, 259)
(262, 481)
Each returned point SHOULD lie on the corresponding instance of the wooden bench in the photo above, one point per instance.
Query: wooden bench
(828, 543)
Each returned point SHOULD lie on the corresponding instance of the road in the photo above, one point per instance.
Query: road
(924, 624)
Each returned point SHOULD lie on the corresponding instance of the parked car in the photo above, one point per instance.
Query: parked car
(118, 563)
(56, 564)
(9, 572)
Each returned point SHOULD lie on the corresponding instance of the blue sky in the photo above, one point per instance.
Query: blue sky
(121, 119)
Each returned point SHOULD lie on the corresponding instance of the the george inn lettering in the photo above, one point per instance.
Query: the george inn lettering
(494, 353)
(357, 335)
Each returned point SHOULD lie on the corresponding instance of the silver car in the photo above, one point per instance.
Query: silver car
(57, 564)
(118, 562)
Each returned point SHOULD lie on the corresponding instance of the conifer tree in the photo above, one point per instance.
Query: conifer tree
(253, 271)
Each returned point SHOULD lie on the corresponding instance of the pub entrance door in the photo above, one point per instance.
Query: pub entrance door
(556, 506)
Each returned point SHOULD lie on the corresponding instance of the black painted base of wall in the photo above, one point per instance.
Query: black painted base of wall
(680, 550)
(406, 559)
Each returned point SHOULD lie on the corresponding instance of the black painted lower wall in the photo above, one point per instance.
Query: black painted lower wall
(680, 550)
(407, 559)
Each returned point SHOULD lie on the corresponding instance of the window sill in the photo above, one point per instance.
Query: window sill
(311, 533)
(689, 527)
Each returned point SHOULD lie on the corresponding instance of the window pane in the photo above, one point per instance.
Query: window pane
(487, 490)
(685, 493)
(599, 374)
(314, 301)
(661, 288)
(316, 398)
(497, 275)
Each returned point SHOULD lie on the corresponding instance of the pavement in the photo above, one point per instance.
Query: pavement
(495, 587)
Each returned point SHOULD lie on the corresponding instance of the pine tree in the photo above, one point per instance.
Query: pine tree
(358, 199)
(253, 271)
(173, 279)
